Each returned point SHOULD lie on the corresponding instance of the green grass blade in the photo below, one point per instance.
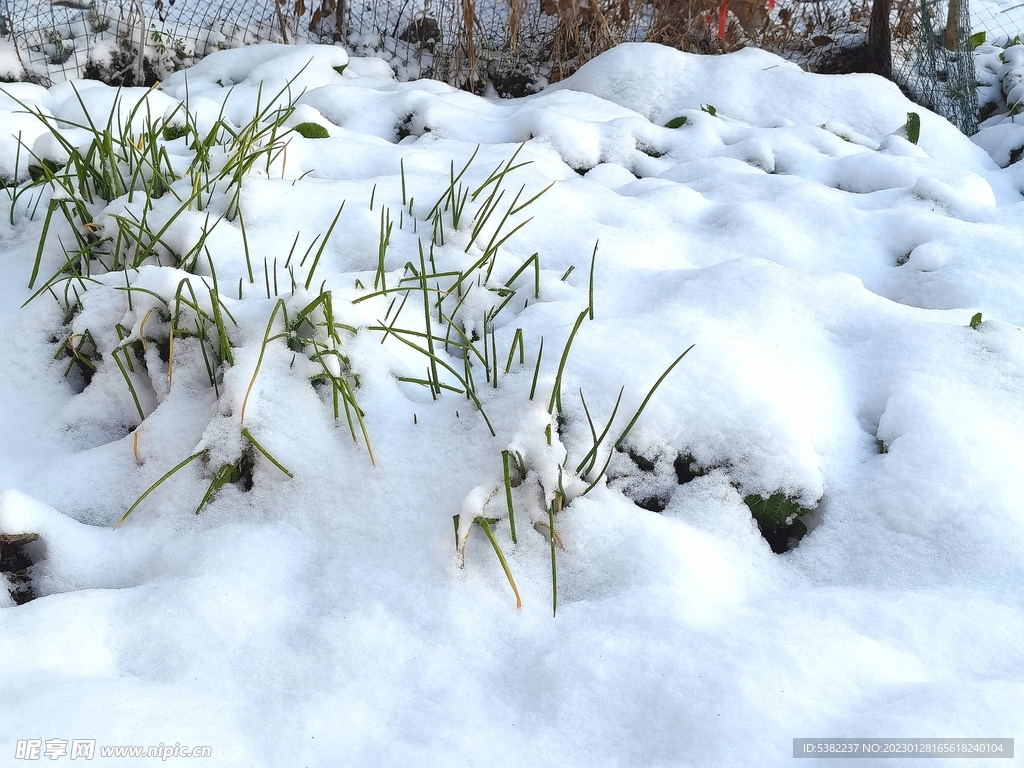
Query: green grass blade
(248, 436)
(482, 522)
(470, 391)
(245, 247)
(157, 484)
(42, 242)
(554, 564)
(588, 461)
(128, 381)
(224, 345)
(505, 455)
(593, 260)
(263, 349)
(536, 369)
(647, 399)
(556, 392)
(517, 339)
(225, 475)
(323, 245)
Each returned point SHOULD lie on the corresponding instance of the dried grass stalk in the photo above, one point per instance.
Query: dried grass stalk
(327, 8)
(516, 11)
(585, 29)
(469, 47)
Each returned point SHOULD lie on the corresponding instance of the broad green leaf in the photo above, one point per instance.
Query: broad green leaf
(773, 512)
(311, 130)
(913, 127)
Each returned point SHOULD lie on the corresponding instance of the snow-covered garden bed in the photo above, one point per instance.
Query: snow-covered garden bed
(360, 367)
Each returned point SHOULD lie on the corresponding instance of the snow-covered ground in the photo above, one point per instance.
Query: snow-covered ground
(827, 270)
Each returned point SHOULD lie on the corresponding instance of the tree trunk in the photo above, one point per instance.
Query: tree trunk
(952, 24)
(880, 39)
(340, 21)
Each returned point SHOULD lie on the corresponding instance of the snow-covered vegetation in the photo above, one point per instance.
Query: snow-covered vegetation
(655, 419)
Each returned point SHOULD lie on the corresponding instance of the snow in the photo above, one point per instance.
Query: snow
(826, 271)
(10, 65)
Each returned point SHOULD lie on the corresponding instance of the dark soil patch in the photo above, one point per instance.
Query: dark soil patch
(15, 562)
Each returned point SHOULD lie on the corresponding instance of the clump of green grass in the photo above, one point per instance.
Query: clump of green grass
(314, 332)
(515, 470)
(82, 354)
(460, 338)
(121, 162)
(238, 471)
(453, 344)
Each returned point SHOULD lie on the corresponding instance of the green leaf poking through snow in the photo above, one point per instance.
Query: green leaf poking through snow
(976, 321)
(913, 127)
(978, 38)
(777, 511)
(676, 122)
(311, 130)
(176, 131)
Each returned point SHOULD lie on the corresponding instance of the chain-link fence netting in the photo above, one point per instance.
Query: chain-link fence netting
(1001, 20)
(932, 59)
(516, 45)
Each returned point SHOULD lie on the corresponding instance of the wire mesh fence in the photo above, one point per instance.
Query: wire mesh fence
(933, 61)
(1002, 20)
(518, 46)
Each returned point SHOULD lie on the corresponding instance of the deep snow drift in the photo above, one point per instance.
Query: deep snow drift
(825, 268)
